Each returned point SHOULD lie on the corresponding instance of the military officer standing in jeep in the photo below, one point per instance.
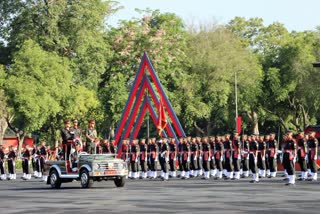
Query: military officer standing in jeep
(91, 136)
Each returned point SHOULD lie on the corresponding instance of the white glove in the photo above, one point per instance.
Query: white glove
(247, 157)
(306, 157)
(281, 159)
(180, 159)
(136, 160)
(155, 160)
(127, 159)
(315, 157)
(195, 158)
(209, 159)
(239, 157)
(174, 159)
(200, 158)
(161, 155)
(267, 155)
(188, 160)
(231, 159)
(221, 158)
(167, 159)
(263, 158)
(294, 160)
(255, 160)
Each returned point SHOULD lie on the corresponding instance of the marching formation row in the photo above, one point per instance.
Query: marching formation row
(216, 157)
(220, 156)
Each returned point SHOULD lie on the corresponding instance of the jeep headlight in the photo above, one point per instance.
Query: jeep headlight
(95, 166)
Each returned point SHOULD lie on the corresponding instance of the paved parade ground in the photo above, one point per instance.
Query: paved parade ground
(155, 196)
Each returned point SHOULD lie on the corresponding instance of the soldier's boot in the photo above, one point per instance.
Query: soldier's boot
(24, 176)
(245, 174)
(273, 174)
(35, 174)
(187, 175)
(263, 173)
(207, 174)
(191, 173)
(220, 175)
(174, 174)
(183, 173)
(268, 173)
(166, 176)
(9, 177)
(314, 176)
(231, 175)
(162, 174)
(145, 175)
(129, 174)
(14, 176)
(170, 174)
(44, 178)
(2, 177)
(149, 174)
(28, 177)
(155, 174)
(200, 172)
(40, 175)
(236, 176)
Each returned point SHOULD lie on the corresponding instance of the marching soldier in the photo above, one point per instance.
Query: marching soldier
(134, 155)
(206, 150)
(262, 156)
(164, 159)
(12, 164)
(289, 156)
(172, 157)
(91, 136)
(26, 164)
(236, 156)
(213, 168)
(194, 151)
(218, 156)
(313, 155)
(302, 155)
(43, 158)
(272, 155)
(199, 156)
(266, 140)
(185, 159)
(245, 155)
(179, 156)
(253, 158)
(227, 145)
(2, 164)
(36, 156)
(143, 158)
(153, 151)
(125, 148)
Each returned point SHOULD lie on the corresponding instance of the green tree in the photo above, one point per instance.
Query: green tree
(163, 37)
(216, 55)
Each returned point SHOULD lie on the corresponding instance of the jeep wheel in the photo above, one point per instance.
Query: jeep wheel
(86, 181)
(120, 181)
(54, 180)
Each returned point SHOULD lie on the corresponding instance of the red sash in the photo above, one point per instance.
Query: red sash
(312, 152)
(185, 156)
(153, 155)
(302, 153)
(133, 156)
(217, 155)
(290, 154)
(142, 156)
(172, 155)
(228, 153)
(205, 155)
(272, 152)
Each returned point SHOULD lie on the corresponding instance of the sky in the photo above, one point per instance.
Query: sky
(298, 15)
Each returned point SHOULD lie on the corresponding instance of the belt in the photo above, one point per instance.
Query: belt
(288, 150)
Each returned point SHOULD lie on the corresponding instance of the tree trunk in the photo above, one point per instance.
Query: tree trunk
(20, 140)
(3, 128)
(254, 122)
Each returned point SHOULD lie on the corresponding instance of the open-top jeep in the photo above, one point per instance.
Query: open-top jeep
(90, 168)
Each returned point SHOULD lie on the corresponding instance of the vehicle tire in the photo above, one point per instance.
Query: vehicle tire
(120, 181)
(85, 180)
(54, 179)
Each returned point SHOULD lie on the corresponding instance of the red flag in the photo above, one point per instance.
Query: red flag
(162, 119)
(239, 121)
